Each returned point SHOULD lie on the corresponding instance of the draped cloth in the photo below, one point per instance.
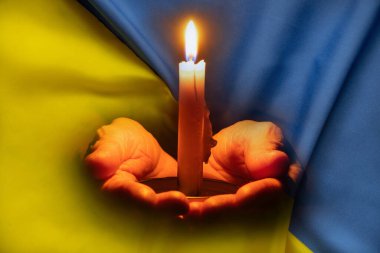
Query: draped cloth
(312, 67)
(62, 76)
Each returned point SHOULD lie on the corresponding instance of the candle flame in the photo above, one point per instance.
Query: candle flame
(191, 41)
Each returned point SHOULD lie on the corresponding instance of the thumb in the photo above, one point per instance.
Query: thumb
(262, 157)
(104, 161)
(266, 163)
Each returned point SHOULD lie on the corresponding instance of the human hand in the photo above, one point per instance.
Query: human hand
(126, 153)
(247, 154)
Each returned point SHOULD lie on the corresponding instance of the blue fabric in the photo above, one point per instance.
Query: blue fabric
(312, 67)
(338, 206)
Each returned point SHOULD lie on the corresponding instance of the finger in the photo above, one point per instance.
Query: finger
(258, 194)
(291, 180)
(295, 172)
(107, 151)
(218, 205)
(266, 164)
(262, 157)
(104, 161)
(195, 209)
(116, 144)
(125, 184)
(173, 202)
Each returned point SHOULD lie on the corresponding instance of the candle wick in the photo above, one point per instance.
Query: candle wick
(190, 58)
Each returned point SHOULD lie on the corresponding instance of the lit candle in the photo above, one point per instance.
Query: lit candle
(191, 117)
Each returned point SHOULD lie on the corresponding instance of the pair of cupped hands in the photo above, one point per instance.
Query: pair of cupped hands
(248, 154)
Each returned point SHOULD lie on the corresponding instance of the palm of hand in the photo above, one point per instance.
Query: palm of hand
(125, 154)
(125, 146)
(247, 151)
(246, 154)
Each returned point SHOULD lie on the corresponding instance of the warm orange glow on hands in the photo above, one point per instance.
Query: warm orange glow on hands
(247, 154)
(125, 154)
(247, 151)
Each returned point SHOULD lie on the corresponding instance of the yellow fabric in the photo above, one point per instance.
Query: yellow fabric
(62, 75)
(293, 245)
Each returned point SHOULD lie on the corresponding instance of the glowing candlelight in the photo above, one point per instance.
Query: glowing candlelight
(191, 117)
(191, 42)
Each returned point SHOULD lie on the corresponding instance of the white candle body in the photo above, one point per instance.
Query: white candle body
(190, 126)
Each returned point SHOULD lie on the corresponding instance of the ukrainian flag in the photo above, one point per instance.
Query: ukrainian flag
(309, 66)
